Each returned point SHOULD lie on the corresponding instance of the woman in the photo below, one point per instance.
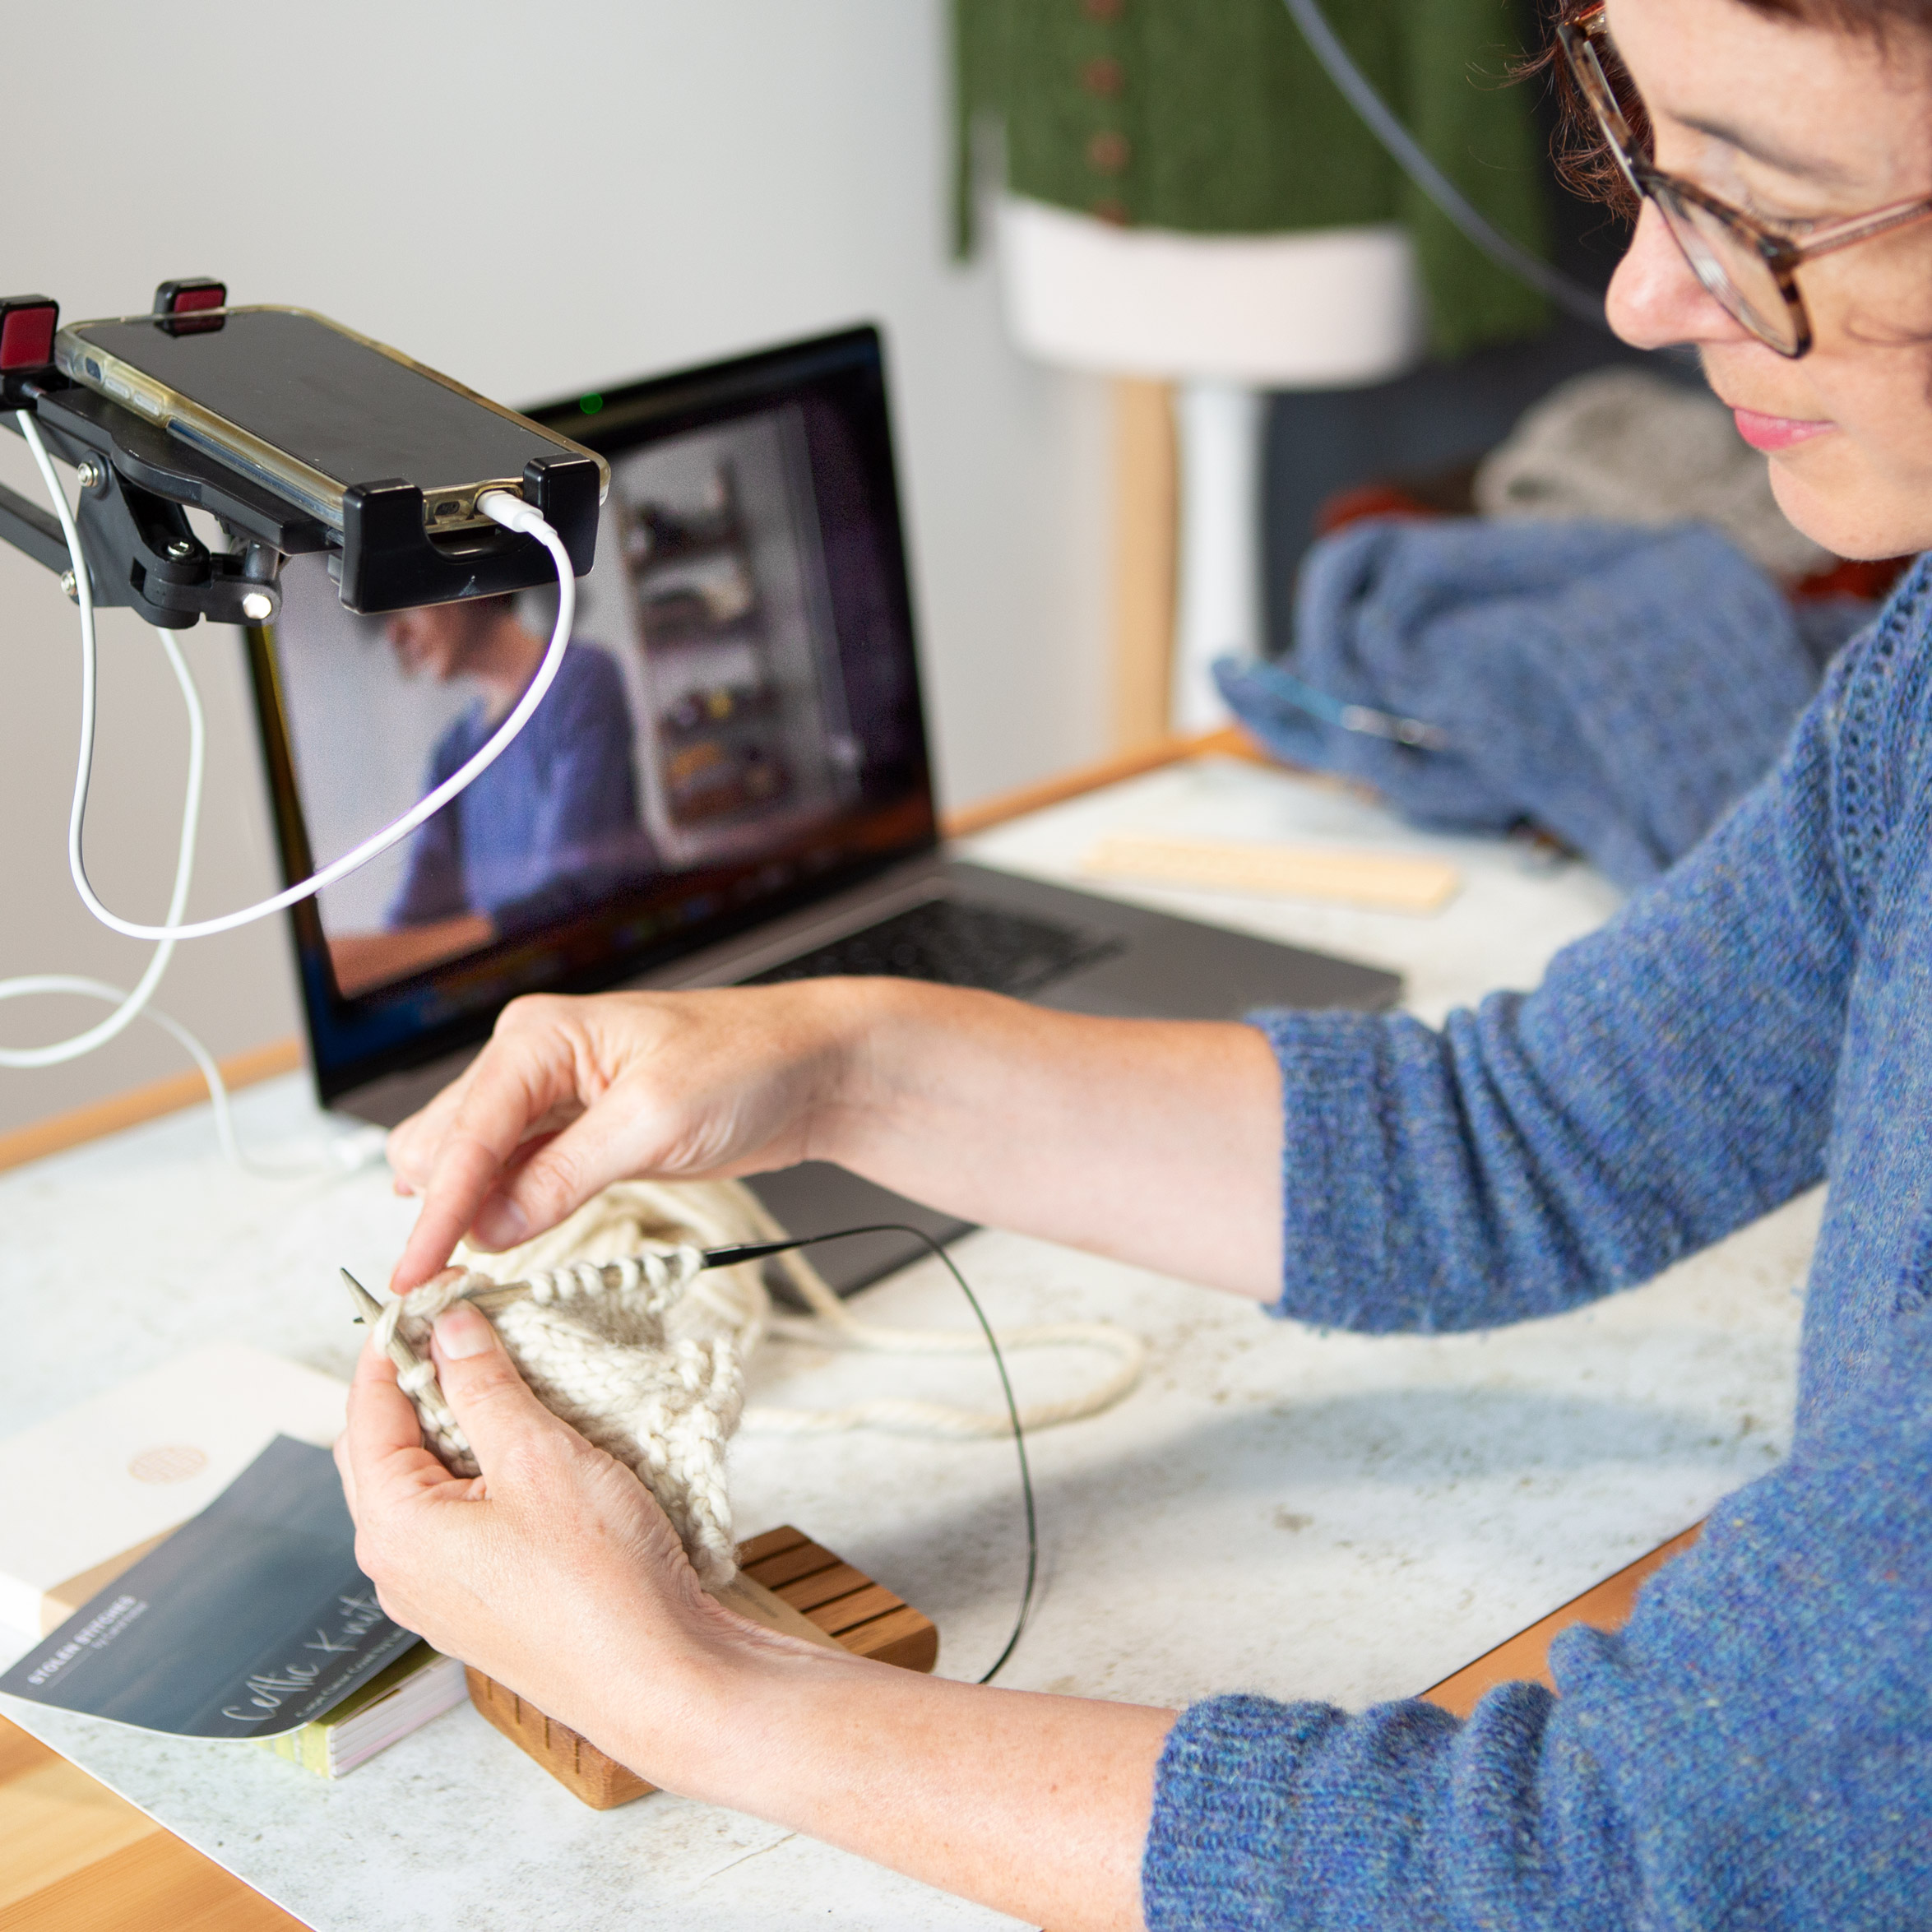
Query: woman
(1756, 1747)
(554, 820)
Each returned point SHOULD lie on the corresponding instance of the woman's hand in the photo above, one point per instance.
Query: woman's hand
(555, 1571)
(1156, 1141)
(570, 1094)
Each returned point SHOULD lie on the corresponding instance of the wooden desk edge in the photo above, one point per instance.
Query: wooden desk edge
(75, 1129)
(1231, 742)
(1525, 1656)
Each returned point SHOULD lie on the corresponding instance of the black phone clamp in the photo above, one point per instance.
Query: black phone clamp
(137, 483)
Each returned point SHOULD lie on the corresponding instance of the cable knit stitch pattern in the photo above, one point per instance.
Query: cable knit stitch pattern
(1754, 1749)
(593, 1342)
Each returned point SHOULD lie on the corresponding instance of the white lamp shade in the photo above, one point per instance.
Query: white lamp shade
(1319, 308)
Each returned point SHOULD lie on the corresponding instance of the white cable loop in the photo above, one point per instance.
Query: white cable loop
(512, 513)
(131, 1003)
(350, 1153)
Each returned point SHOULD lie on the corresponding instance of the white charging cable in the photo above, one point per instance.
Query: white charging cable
(502, 507)
(131, 1002)
(351, 1151)
(344, 1154)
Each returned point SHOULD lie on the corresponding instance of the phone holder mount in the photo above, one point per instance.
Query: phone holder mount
(137, 483)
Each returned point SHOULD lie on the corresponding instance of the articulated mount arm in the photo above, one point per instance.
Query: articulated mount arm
(136, 484)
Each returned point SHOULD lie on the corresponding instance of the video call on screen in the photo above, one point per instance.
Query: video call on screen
(736, 702)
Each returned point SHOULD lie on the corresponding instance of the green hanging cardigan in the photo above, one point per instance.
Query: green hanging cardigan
(1212, 117)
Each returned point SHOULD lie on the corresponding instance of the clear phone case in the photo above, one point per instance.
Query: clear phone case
(84, 358)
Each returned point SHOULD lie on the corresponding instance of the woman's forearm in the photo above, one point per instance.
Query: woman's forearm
(1156, 1141)
(1035, 1806)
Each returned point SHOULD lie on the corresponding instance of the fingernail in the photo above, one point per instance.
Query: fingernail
(462, 1331)
(503, 1224)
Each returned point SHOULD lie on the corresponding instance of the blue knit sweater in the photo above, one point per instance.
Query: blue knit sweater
(1619, 686)
(1755, 1749)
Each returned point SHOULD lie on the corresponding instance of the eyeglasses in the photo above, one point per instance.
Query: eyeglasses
(1746, 265)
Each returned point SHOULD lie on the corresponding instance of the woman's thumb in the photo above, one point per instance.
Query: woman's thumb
(491, 1401)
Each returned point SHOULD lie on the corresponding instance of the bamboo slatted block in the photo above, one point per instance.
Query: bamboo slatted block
(786, 1581)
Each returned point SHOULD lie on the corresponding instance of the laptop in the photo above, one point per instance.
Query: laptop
(728, 783)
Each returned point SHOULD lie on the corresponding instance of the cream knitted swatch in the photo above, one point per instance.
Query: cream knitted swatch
(619, 1330)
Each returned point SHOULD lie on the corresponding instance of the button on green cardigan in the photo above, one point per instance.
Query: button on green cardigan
(1211, 117)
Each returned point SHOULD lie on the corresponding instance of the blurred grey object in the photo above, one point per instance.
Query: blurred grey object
(1625, 446)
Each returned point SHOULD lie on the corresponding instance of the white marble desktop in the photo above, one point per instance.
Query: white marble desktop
(1275, 1509)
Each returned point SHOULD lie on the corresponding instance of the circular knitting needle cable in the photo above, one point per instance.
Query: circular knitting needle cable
(1407, 153)
(732, 1257)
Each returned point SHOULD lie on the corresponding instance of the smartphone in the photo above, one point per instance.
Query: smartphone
(310, 408)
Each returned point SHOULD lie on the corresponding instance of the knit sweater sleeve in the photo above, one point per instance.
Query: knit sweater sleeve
(1755, 1749)
(1668, 1081)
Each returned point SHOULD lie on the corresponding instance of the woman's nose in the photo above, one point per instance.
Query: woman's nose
(1655, 298)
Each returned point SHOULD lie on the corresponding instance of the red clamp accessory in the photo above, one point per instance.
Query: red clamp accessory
(180, 303)
(27, 324)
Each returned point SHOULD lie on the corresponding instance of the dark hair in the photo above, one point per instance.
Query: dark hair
(1582, 161)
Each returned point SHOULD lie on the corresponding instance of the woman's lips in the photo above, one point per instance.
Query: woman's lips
(1777, 432)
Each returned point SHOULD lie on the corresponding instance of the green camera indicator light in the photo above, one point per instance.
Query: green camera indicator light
(590, 404)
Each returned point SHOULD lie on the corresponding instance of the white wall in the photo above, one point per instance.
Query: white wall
(675, 182)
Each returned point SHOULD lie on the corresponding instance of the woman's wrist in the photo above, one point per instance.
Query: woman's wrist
(1036, 1805)
(872, 1030)
(695, 1721)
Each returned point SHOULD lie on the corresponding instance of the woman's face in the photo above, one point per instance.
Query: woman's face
(439, 639)
(1797, 123)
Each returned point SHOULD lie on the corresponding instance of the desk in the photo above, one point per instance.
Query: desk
(1301, 1514)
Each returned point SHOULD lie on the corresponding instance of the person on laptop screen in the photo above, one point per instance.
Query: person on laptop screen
(553, 828)
(554, 819)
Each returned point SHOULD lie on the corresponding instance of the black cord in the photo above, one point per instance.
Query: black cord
(733, 1257)
(1403, 148)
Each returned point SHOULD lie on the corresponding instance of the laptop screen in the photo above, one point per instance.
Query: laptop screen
(735, 730)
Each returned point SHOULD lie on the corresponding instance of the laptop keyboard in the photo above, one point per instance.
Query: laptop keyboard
(955, 944)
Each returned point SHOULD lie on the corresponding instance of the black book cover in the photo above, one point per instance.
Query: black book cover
(250, 1620)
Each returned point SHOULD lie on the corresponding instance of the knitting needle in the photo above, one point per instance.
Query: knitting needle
(366, 1304)
(368, 1309)
(488, 1300)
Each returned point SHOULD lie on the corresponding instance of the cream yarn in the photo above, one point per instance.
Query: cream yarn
(596, 1346)
(618, 1329)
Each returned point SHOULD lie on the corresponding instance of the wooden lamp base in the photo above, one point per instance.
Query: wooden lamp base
(786, 1582)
